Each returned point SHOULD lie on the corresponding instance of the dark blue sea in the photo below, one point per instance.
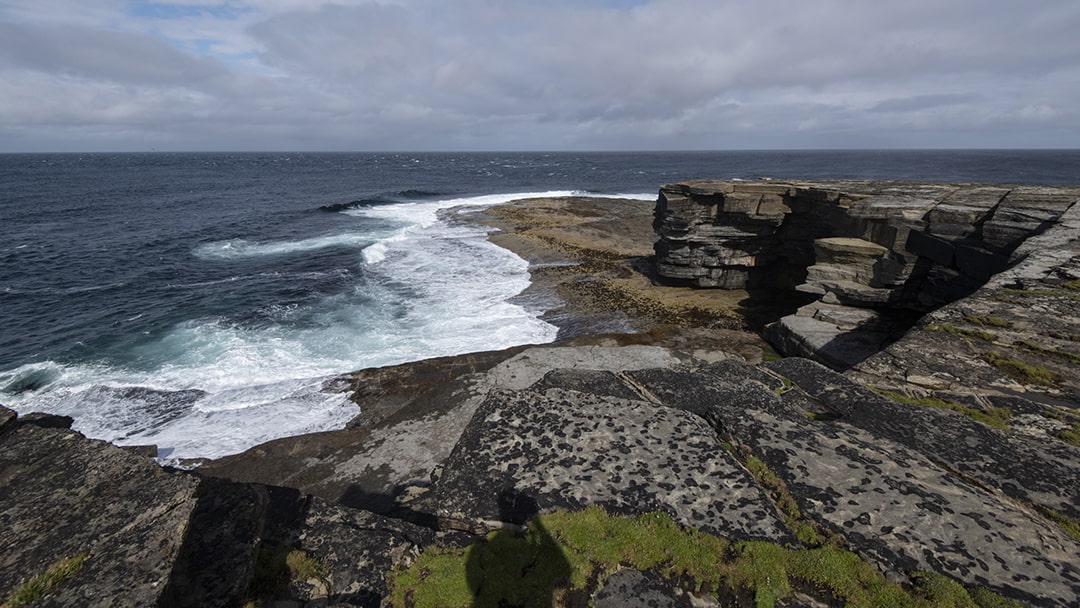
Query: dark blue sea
(200, 301)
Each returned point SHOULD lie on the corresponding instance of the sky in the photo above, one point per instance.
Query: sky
(457, 75)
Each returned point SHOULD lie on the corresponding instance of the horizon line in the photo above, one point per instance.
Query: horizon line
(590, 151)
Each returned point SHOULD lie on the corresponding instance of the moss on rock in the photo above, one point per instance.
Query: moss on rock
(565, 556)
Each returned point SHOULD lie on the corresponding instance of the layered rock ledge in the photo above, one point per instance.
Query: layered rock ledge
(952, 451)
(872, 257)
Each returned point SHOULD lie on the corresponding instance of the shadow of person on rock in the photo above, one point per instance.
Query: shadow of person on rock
(515, 570)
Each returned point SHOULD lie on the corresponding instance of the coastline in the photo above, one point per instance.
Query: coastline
(884, 473)
(590, 265)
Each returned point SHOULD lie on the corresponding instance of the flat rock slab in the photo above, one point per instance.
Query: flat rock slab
(530, 451)
(368, 466)
(1031, 469)
(62, 495)
(893, 505)
(529, 367)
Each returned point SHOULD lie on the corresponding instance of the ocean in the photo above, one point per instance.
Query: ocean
(202, 302)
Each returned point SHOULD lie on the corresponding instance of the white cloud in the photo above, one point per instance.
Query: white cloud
(447, 74)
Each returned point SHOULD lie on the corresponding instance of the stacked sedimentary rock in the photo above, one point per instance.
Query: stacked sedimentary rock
(874, 254)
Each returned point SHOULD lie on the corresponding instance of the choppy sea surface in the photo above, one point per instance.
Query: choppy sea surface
(200, 302)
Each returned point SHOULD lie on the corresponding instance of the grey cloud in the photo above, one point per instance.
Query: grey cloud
(366, 41)
(522, 74)
(97, 54)
(925, 102)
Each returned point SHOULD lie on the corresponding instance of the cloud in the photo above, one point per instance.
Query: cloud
(924, 102)
(100, 55)
(518, 74)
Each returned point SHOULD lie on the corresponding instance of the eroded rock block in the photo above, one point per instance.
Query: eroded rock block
(63, 496)
(896, 247)
(354, 550)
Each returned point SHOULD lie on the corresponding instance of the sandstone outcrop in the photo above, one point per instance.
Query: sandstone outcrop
(872, 256)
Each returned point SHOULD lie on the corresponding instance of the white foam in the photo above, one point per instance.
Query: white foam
(217, 423)
(430, 288)
(234, 249)
(373, 254)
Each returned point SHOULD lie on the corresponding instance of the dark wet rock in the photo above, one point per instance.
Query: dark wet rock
(159, 537)
(216, 562)
(47, 421)
(357, 548)
(7, 418)
(148, 451)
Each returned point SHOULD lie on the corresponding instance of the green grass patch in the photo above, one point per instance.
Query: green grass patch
(803, 529)
(997, 417)
(276, 567)
(563, 556)
(988, 321)
(1070, 435)
(303, 567)
(978, 334)
(46, 582)
(1046, 292)
(1053, 353)
(1074, 285)
(1018, 370)
(1066, 523)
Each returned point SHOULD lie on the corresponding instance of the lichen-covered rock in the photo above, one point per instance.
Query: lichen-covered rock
(368, 466)
(1031, 469)
(894, 505)
(567, 450)
(637, 589)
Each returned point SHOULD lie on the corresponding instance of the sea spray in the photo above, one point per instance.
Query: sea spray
(212, 386)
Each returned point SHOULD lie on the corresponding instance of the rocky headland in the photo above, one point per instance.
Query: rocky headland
(802, 394)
